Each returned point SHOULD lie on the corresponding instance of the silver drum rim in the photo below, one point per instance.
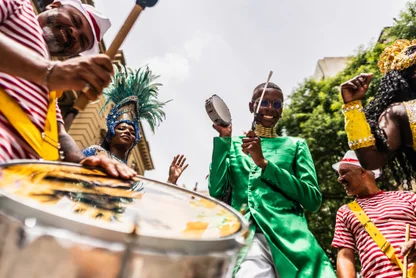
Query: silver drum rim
(21, 211)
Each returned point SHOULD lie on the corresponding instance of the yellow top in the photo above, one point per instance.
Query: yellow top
(411, 113)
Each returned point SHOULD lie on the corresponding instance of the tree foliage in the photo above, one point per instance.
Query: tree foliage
(314, 113)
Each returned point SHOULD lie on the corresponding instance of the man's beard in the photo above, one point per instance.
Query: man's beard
(53, 45)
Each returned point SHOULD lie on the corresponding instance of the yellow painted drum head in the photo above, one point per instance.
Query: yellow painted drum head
(87, 196)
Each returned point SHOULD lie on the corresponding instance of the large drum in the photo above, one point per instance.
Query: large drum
(63, 220)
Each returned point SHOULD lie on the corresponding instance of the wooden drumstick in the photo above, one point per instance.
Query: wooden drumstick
(82, 100)
(253, 125)
(405, 257)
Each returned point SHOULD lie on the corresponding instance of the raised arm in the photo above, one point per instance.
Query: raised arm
(219, 172)
(360, 137)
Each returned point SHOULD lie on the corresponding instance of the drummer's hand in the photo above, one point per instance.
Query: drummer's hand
(75, 73)
(251, 145)
(176, 168)
(112, 167)
(408, 248)
(224, 131)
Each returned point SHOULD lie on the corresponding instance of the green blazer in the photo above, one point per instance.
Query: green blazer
(276, 198)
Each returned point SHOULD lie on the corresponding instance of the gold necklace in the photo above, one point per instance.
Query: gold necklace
(267, 132)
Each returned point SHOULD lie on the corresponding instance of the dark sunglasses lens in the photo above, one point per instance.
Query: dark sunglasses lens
(264, 103)
(277, 104)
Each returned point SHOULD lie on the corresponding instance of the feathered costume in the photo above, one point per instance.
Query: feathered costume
(134, 94)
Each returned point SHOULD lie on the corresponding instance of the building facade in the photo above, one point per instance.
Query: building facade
(329, 67)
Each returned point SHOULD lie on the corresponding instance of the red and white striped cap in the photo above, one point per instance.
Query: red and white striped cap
(98, 22)
(351, 158)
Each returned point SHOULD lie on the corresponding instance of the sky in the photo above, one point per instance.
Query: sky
(228, 47)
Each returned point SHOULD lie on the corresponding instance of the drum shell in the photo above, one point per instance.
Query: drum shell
(63, 250)
(44, 252)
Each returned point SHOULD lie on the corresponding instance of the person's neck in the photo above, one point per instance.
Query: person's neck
(267, 132)
(119, 152)
(370, 190)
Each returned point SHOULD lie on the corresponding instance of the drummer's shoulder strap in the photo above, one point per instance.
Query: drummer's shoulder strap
(45, 143)
(376, 235)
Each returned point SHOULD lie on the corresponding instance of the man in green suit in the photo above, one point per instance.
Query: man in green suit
(276, 178)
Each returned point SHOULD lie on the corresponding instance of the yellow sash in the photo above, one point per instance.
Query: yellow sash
(45, 144)
(378, 237)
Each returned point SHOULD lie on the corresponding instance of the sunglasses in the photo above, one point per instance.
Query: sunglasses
(276, 104)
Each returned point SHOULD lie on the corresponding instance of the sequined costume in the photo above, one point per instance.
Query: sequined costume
(411, 113)
(96, 150)
(134, 94)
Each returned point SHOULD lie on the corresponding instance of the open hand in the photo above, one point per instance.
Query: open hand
(176, 168)
(251, 145)
(111, 166)
(355, 89)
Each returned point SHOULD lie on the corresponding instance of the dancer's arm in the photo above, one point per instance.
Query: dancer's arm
(361, 140)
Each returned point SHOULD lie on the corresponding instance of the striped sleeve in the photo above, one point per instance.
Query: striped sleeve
(343, 237)
(59, 114)
(7, 8)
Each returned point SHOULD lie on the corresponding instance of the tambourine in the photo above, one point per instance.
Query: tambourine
(218, 111)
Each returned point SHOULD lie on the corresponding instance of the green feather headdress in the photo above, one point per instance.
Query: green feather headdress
(134, 94)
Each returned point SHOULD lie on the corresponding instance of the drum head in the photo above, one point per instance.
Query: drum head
(220, 111)
(56, 193)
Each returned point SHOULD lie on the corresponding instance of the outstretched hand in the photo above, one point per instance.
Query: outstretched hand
(251, 145)
(355, 89)
(111, 166)
(176, 168)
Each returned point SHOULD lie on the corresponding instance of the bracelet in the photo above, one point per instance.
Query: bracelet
(48, 73)
(356, 126)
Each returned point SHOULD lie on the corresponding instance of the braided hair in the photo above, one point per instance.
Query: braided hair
(394, 87)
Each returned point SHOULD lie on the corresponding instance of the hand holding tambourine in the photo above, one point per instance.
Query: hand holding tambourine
(224, 131)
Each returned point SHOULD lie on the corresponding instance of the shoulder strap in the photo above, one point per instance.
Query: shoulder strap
(375, 234)
(45, 144)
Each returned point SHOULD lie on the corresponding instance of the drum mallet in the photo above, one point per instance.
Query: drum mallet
(82, 100)
(253, 125)
(405, 257)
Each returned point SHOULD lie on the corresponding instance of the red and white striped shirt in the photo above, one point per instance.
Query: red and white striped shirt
(390, 212)
(19, 22)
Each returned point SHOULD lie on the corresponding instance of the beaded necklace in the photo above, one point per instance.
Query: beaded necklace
(267, 132)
